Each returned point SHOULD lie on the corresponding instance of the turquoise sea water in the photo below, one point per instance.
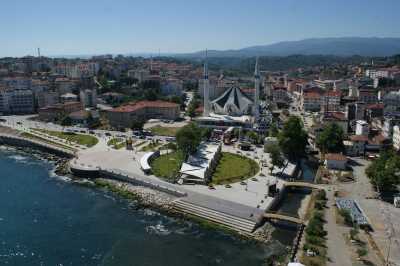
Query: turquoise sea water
(45, 220)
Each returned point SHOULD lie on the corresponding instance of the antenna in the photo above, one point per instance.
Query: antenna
(38, 50)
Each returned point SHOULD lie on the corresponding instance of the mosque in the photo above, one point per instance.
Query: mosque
(233, 108)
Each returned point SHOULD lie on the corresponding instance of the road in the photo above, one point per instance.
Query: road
(338, 251)
(383, 216)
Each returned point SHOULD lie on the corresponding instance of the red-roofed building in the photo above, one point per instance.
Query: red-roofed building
(338, 118)
(311, 101)
(125, 116)
(374, 110)
(336, 161)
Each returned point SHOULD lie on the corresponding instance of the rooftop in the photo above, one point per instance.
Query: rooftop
(335, 156)
(132, 107)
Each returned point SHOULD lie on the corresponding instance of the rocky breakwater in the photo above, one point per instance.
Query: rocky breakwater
(147, 197)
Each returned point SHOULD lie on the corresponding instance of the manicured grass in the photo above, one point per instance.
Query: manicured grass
(167, 166)
(116, 143)
(164, 131)
(152, 146)
(85, 140)
(233, 168)
(34, 137)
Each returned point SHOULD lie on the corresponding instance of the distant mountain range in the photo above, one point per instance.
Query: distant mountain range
(344, 46)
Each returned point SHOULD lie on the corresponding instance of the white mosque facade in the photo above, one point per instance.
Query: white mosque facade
(233, 108)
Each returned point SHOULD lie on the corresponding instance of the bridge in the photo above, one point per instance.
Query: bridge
(282, 217)
(302, 185)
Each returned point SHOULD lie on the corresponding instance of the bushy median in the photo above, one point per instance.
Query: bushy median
(315, 250)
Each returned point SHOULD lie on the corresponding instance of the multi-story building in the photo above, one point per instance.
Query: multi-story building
(140, 74)
(125, 116)
(21, 102)
(367, 95)
(338, 118)
(64, 85)
(4, 100)
(330, 101)
(172, 87)
(362, 128)
(396, 137)
(78, 70)
(58, 111)
(391, 102)
(377, 73)
(388, 124)
(46, 98)
(311, 101)
(88, 97)
(328, 84)
(280, 95)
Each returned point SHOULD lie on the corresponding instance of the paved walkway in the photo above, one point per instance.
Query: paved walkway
(338, 251)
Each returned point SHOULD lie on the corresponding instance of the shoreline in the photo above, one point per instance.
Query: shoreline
(149, 198)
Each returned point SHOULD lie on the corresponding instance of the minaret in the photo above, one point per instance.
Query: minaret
(206, 87)
(256, 91)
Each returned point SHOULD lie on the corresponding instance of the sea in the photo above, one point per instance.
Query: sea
(46, 219)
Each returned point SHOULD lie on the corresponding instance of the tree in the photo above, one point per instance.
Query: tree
(384, 171)
(66, 121)
(277, 159)
(137, 124)
(293, 138)
(253, 137)
(188, 138)
(191, 111)
(273, 130)
(206, 133)
(331, 139)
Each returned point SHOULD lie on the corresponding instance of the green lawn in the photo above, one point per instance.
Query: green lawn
(116, 143)
(233, 168)
(152, 146)
(164, 131)
(167, 166)
(85, 140)
(34, 137)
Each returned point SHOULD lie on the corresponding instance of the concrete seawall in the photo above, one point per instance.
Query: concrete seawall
(137, 181)
(18, 141)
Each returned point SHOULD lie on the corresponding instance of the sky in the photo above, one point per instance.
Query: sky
(79, 27)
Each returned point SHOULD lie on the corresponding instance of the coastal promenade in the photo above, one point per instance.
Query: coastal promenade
(240, 207)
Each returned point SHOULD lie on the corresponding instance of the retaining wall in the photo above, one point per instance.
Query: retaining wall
(136, 181)
(24, 142)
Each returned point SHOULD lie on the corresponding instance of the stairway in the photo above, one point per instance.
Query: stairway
(227, 220)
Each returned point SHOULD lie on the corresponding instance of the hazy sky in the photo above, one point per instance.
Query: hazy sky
(131, 26)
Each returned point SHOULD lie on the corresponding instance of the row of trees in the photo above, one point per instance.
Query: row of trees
(384, 172)
(189, 137)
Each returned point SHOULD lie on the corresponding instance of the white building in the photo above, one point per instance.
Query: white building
(88, 97)
(377, 73)
(200, 166)
(140, 74)
(68, 97)
(389, 123)
(396, 137)
(362, 128)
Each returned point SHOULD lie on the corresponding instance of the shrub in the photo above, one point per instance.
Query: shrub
(347, 217)
(362, 252)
